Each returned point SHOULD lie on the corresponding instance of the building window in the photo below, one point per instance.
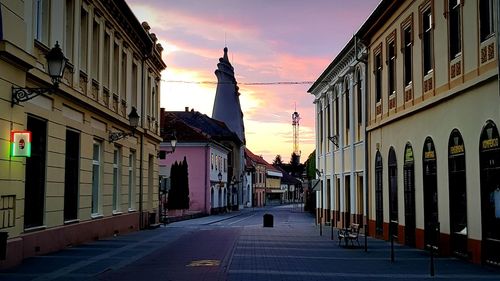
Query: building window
(133, 100)
(391, 53)
(116, 67)
(106, 60)
(427, 40)
(96, 176)
(486, 23)
(71, 175)
(321, 129)
(131, 181)
(41, 20)
(337, 124)
(95, 49)
(211, 161)
(455, 30)
(359, 97)
(408, 53)
(84, 39)
(347, 105)
(123, 76)
(68, 26)
(328, 121)
(378, 77)
(116, 178)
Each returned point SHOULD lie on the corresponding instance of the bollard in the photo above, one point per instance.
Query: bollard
(366, 238)
(392, 247)
(320, 229)
(332, 228)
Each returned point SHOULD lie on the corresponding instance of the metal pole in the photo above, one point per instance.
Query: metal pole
(366, 237)
(321, 224)
(432, 260)
(331, 223)
(392, 244)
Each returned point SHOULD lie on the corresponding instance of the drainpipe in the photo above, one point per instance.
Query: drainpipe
(141, 181)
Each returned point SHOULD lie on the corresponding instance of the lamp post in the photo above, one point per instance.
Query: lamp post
(241, 190)
(55, 66)
(133, 118)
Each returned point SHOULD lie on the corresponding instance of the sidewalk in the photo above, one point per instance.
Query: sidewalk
(84, 262)
(294, 250)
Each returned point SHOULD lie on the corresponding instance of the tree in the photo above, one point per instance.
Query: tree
(173, 194)
(178, 196)
(277, 161)
(311, 165)
(184, 198)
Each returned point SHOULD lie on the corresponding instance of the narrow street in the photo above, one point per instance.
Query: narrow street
(235, 246)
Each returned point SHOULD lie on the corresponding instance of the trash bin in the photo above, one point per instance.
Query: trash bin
(152, 219)
(3, 245)
(268, 220)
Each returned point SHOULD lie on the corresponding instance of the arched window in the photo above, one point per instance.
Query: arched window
(458, 194)
(393, 191)
(379, 206)
(431, 218)
(409, 195)
(489, 158)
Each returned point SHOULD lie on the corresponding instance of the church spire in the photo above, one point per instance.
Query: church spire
(227, 106)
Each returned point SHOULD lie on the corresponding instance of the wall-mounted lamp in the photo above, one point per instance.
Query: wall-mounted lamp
(56, 63)
(133, 118)
(335, 140)
(162, 154)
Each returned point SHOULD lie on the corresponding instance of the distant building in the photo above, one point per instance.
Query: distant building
(209, 147)
(227, 109)
(79, 182)
(257, 166)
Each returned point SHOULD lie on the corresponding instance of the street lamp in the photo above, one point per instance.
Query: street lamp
(162, 154)
(335, 140)
(133, 118)
(55, 64)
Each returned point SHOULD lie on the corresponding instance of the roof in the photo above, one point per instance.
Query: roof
(287, 178)
(194, 126)
(259, 160)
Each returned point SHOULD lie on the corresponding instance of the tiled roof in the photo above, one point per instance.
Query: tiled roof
(194, 126)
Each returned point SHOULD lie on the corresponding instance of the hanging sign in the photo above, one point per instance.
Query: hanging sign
(20, 143)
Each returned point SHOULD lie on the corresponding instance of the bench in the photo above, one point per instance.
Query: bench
(349, 234)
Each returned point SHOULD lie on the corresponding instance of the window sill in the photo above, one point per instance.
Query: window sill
(117, 213)
(35, 228)
(71, 221)
(96, 216)
(131, 210)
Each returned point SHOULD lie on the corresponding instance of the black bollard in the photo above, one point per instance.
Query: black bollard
(320, 228)
(432, 260)
(331, 223)
(366, 238)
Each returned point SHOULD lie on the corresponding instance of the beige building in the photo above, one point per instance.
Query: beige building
(81, 182)
(433, 106)
(339, 96)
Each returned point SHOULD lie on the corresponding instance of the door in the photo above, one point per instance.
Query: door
(379, 207)
(431, 218)
(409, 196)
(393, 192)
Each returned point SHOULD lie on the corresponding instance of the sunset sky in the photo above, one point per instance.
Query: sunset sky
(268, 41)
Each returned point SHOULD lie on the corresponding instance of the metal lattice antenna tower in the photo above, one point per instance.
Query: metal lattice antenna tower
(296, 125)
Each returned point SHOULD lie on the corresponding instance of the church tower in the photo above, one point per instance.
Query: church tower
(227, 106)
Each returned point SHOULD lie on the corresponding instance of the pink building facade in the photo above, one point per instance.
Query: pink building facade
(205, 161)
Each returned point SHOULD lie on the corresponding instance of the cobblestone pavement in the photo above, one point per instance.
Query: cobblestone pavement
(235, 246)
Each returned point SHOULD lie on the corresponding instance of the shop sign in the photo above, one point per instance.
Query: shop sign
(490, 143)
(457, 149)
(20, 143)
(409, 154)
(429, 155)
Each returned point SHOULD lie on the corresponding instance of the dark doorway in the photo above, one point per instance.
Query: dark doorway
(347, 201)
(393, 192)
(409, 195)
(71, 177)
(379, 207)
(490, 193)
(458, 196)
(431, 219)
(34, 201)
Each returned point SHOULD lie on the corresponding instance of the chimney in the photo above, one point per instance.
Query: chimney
(186, 108)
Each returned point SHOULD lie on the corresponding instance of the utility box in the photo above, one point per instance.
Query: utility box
(268, 220)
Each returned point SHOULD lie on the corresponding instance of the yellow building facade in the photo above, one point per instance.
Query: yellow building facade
(432, 110)
(79, 184)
